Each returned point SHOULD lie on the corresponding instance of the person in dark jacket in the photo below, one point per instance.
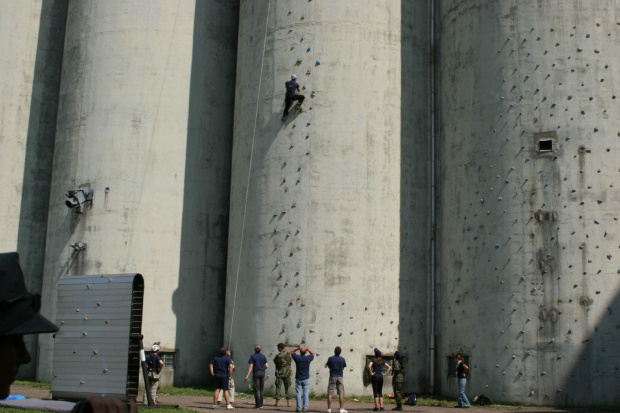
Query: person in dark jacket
(291, 88)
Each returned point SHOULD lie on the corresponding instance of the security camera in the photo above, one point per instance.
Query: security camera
(77, 198)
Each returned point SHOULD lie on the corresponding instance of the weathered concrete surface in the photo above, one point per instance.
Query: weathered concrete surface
(19, 26)
(30, 60)
(315, 244)
(134, 126)
(529, 239)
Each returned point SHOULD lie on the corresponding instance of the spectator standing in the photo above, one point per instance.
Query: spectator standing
(231, 385)
(221, 369)
(376, 378)
(398, 380)
(302, 375)
(258, 362)
(282, 362)
(461, 374)
(336, 365)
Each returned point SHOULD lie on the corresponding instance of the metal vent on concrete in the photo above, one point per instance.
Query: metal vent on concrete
(93, 350)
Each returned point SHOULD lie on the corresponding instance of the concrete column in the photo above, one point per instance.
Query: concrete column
(145, 121)
(320, 213)
(529, 218)
(30, 60)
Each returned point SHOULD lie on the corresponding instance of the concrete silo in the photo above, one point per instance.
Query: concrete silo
(329, 234)
(145, 121)
(528, 152)
(32, 35)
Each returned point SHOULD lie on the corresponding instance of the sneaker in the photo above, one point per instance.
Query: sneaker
(344, 411)
(376, 409)
(215, 406)
(382, 409)
(328, 411)
(229, 407)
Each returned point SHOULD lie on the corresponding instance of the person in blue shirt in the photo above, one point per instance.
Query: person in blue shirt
(258, 362)
(291, 88)
(302, 375)
(336, 366)
(221, 369)
(376, 374)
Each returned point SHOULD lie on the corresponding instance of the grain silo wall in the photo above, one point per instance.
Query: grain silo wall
(145, 120)
(329, 229)
(528, 239)
(31, 40)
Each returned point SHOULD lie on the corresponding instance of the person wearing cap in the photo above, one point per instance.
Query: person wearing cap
(376, 374)
(291, 88)
(155, 364)
(398, 380)
(19, 315)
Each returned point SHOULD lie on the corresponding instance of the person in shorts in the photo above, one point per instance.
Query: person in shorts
(221, 368)
(336, 365)
(231, 385)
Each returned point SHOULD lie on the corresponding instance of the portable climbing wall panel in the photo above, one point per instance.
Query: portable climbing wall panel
(94, 352)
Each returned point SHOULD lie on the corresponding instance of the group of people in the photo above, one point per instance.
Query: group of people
(19, 315)
(222, 367)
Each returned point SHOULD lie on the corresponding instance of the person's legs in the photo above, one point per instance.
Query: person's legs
(287, 388)
(331, 388)
(298, 390)
(279, 383)
(231, 390)
(154, 387)
(227, 397)
(215, 396)
(262, 388)
(398, 390)
(340, 388)
(256, 381)
(463, 401)
(287, 104)
(380, 390)
(306, 388)
(375, 391)
(299, 99)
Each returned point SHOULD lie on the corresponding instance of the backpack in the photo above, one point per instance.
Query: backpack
(412, 399)
(482, 400)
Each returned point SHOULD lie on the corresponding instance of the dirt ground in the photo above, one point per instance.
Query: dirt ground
(204, 404)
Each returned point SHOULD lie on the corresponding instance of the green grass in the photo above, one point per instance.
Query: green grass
(35, 384)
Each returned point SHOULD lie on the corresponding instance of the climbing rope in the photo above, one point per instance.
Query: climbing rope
(247, 187)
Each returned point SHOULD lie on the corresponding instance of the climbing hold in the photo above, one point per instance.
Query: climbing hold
(317, 63)
(596, 51)
(308, 49)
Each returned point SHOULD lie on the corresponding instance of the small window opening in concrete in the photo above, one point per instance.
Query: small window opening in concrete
(169, 358)
(545, 145)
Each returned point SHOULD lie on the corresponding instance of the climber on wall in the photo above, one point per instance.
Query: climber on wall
(291, 87)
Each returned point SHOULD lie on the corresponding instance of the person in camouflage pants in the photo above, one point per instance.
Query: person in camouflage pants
(283, 374)
(398, 369)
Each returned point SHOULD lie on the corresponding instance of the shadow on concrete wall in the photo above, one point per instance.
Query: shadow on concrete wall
(415, 201)
(595, 375)
(39, 153)
(199, 300)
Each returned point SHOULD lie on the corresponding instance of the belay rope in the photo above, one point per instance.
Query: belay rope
(247, 187)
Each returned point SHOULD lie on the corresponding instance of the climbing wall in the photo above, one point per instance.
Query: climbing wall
(528, 241)
(145, 120)
(320, 214)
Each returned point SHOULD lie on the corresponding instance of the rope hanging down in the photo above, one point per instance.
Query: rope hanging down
(247, 187)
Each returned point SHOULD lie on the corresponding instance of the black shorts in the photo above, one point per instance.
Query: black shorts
(221, 382)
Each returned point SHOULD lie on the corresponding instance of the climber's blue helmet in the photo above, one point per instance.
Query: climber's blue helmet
(293, 77)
